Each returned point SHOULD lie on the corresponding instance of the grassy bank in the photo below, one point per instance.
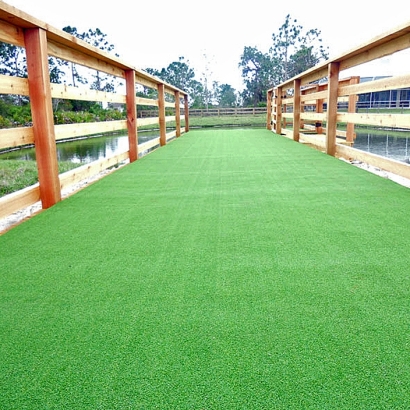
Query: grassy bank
(16, 174)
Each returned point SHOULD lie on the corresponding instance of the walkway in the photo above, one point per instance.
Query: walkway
(231, 269)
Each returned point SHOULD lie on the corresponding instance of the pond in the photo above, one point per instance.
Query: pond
(85, 150)
(392, 146)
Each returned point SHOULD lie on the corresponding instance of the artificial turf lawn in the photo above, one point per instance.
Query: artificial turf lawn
(231, 269)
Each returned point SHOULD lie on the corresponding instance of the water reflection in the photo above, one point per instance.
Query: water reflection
(84, 151)
(390, 146)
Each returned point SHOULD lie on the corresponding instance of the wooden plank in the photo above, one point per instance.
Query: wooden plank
(18, 17)
(146, 82)
(396, 167)
(319, 110)
(79, 57)
(18, 200)
(15, 137)
(147, 121)
(320, 95)
(169, 90)
(307, 99)
(387, 43)
(372, 52)
(296, 110)
(42, 114)
(161, 113)
(384, 84)
(278, 110)
(145, 146)
(85, 94)
(171, 135)
(146, 101)
(379, 120)
(178, 113)
(318, 141)
(186, 113)
(287, 100)
(350, 134)
(313, 116)
(269, 95)
(131, 115)
(331, 117)
(13, 85)
(66, 131)
(89, 170)
(169, 104)
(11, 34)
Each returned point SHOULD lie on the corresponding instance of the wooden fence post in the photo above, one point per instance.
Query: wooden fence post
(350, 134)
(319, 110)
(42, 113)
(331, 120)
(296, 109)
(269, 110)
(161, 114)
(177, 113)
(186, 110)
(131, 115)
(278, 110)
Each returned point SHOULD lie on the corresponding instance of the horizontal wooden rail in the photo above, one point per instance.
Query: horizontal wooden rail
(40, 42)
(18, 200)
(308, 102)
(227, 111)
(67, 131)
(88, 170)
(15, 137)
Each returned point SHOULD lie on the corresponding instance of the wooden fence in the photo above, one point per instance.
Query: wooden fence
(317, 95)
(216, 112)
(40, 42)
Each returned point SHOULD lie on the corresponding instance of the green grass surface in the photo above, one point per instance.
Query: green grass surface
(231, 269)
(19, 174)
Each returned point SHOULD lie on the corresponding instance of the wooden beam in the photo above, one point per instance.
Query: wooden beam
(146, 101)
(296, 110)
(384, 84)
(161, 114)
(350, 134)
(147, 121)
(85, 94)
(186, 108)
(378, 120)
(11, 34)
(178, 113)
(387, 164)
(131, 114)
(14, 137)
(17, 200)
(375, 50)
(42, 114)
(278, 110)
(331, 120)
(13, 85)
(64, 131)
(269, 95)
(94, 61)
(88, 170)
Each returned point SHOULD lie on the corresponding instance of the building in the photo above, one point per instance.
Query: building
(384, 99)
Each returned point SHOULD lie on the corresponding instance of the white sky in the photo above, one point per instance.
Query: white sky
(143, 31)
